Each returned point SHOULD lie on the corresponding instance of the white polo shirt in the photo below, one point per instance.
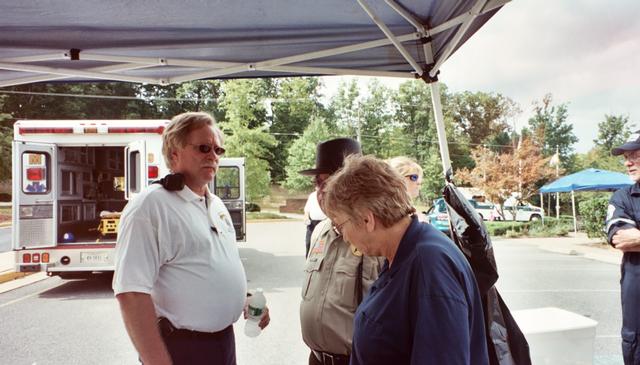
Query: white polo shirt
(166, 247)
(313, 207)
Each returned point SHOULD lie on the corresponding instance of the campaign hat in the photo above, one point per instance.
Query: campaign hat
(330, 155)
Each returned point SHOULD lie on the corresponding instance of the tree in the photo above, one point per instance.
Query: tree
(6, 137)
(500, 175)
(302, 154)
(298, 100)
(375, 120)
(245, 124)
(481, 116)
(550, 130)
(612, 132)
(344, 110)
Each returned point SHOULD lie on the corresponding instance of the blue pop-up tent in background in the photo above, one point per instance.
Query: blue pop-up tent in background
(587, 180)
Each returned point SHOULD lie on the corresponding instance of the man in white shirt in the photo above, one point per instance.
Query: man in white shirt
(178, 278)
(313, 215)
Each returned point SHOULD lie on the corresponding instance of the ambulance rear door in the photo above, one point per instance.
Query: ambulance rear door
(34, 190)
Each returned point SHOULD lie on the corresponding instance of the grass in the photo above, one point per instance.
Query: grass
(552, 228)
(264, 215)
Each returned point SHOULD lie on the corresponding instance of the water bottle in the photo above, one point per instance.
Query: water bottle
(257, 302)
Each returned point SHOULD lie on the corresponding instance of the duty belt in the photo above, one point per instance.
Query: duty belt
(326, 358)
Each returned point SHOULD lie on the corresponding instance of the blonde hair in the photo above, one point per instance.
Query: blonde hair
(366, 182)
(176, 133)
(405, 166)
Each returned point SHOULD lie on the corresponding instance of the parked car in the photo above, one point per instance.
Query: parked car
(486, 210)
(524, 213)
(438, 215)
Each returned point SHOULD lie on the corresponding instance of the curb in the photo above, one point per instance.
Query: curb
(21, 280)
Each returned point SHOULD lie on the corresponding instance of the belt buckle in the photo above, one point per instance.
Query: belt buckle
(326, 356)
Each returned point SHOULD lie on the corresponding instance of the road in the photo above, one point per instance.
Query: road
(77, 322)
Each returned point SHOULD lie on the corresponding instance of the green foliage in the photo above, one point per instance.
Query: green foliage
(374, 120)
(6, 136)
(481, 116)
(245, 124)
(302, 155)
(550, 128)
(551, 227)
(593, 213)
(297, 101)
(612, 132)
(501, 228)
(264, 215)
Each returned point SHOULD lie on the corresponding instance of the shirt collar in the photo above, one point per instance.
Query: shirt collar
(408, 242)
(188, 195)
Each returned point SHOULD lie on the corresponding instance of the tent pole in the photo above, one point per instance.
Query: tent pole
(542, 207)
(573, 205)
(442, 136)
(557, 205)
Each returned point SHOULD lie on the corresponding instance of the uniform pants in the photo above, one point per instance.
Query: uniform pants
(312, 225)
(194, 350)
(630, 291)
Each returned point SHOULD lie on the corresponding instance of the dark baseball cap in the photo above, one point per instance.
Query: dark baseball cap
(632, 144)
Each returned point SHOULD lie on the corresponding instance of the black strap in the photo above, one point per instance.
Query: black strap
(359, 284)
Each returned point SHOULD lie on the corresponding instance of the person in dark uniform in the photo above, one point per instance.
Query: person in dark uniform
(622, 226)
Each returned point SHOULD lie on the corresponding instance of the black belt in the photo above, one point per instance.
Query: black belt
(167, 329)
(326, 358)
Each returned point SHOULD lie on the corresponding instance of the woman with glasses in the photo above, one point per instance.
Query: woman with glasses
(425, 307)
(411, 171)
(412, 176)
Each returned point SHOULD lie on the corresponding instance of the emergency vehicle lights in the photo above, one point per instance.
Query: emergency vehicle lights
(35, 173)
(44, 257)
(25, 130)
(157, 130)
(35, 258)
(26, 258)
(152, 172)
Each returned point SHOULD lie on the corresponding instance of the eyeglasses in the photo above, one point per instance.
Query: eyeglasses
(206, 148)
(413, 177)
(338, 227)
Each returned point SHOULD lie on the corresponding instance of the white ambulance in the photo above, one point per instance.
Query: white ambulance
(71, 180)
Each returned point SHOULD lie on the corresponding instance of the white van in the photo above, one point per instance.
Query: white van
(71, 180)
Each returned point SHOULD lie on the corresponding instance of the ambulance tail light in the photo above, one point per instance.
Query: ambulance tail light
(35, 258)
(35, 173)
(26, 258)
(152, 172)
(44, 258)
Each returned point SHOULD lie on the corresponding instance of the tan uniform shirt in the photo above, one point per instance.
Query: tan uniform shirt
(329, 300)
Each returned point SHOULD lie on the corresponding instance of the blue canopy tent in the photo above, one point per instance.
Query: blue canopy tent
(587, 180)
(167, 42)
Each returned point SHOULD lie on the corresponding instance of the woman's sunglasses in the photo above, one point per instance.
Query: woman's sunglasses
(206, 148)
(413, 177)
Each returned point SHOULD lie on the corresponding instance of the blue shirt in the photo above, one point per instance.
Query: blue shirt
(624, 210)
(426, 309)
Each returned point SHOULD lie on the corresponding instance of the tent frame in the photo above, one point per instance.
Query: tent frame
(215, 69)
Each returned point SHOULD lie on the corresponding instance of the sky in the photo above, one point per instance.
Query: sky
(586, 53)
